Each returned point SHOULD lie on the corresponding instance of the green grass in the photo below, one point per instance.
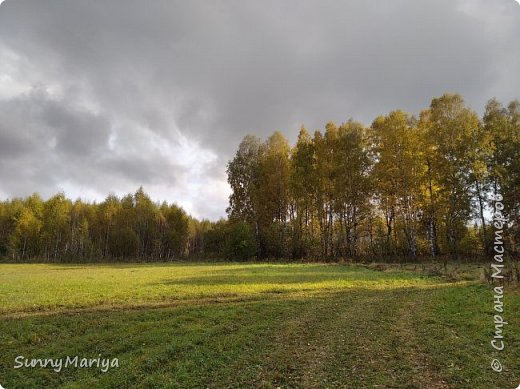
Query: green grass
(252, 325)
(53, 287)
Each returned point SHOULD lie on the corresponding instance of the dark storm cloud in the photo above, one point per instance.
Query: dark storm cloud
(142, 89)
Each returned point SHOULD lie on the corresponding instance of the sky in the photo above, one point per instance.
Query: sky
(106, 96)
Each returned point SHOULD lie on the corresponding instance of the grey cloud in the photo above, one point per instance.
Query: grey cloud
(214, 71)
(78, 133)
(140, 169)
(45, 141)
(36, 120)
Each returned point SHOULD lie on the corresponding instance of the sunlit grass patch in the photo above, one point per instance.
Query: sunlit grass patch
(36, 287)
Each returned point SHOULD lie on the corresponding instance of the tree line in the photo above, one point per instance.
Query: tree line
(60, 229)
(404, 187)
(127, 228)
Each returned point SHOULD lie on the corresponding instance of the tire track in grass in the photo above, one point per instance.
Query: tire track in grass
(303, 346)
(386, 351)
(359, 346)
(354, 339)
(425, 374)
(346, 324)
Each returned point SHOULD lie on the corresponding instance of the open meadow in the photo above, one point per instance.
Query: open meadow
(252, 325)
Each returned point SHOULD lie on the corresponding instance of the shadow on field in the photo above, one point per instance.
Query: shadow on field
(267, 276)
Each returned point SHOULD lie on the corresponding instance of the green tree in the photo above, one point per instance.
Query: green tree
(26, 236)
(56, 226)
(351, 185)
(502, 128)
(106, 217)
(452, 134)
(145, 222)
(244, 178)
(176, 239)
(302, 183)
(399, 175)
(324, 190)
(215, 239)
(240, 242)
(273, 196)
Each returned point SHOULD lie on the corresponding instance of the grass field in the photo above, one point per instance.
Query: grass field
(252, 325)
